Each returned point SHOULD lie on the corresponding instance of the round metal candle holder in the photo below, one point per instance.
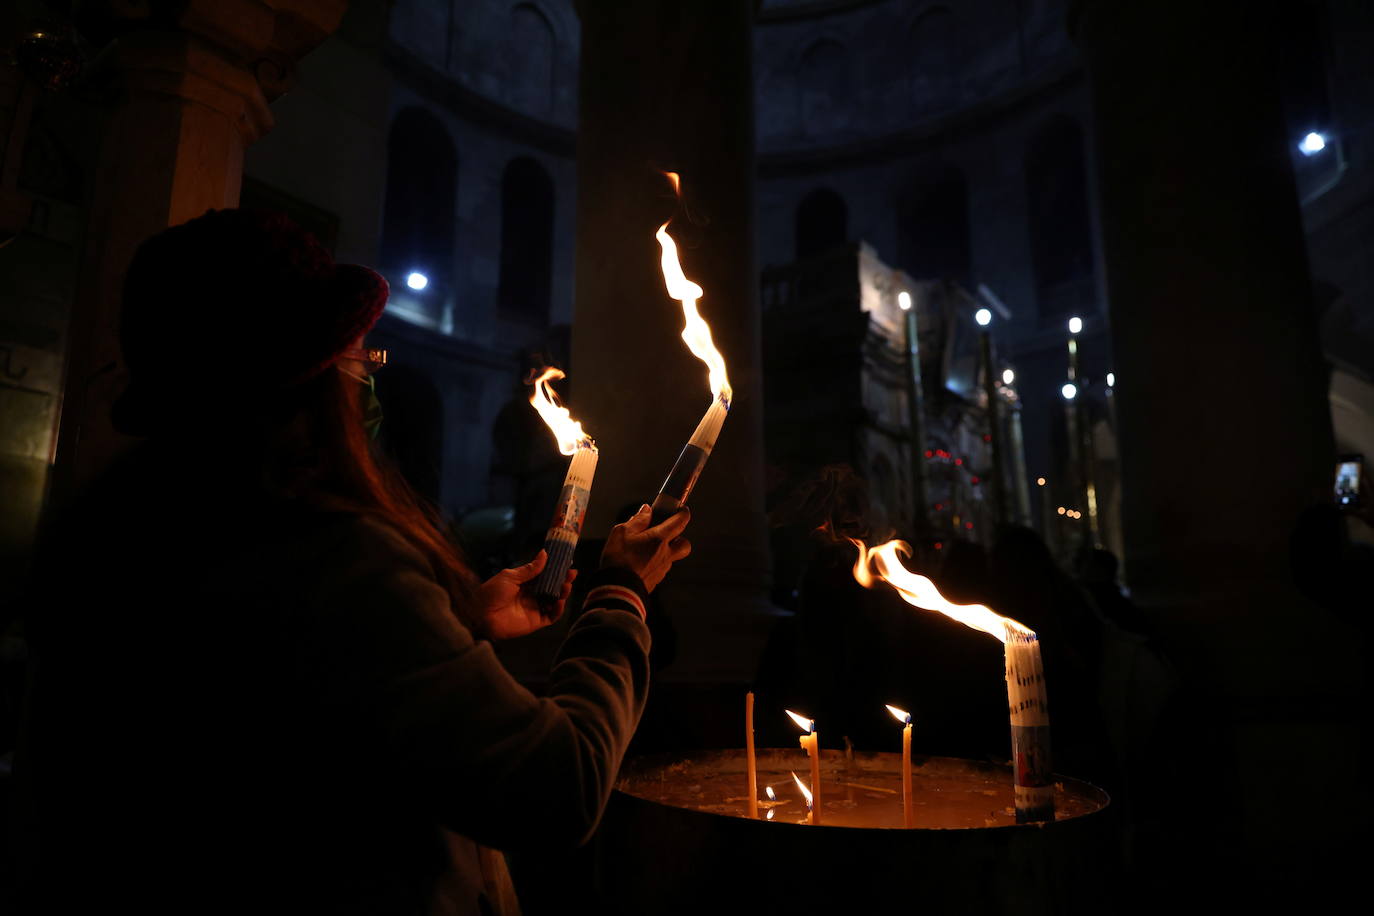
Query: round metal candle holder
(677, 838)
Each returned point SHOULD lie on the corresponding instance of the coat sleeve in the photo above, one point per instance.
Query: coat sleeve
(495, 762)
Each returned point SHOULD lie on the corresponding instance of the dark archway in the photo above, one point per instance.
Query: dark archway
(933, 228)
(822, 223)
(418, 223)
(526, 277)
(1060, 225)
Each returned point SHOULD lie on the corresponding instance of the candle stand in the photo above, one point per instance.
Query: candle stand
(677, 838)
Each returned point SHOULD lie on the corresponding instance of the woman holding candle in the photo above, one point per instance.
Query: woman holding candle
(263, 682)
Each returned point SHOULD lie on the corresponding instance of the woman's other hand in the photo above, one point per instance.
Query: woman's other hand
(507, 610)
(649, 552)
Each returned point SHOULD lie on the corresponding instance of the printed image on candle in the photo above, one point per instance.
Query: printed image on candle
(572, 509)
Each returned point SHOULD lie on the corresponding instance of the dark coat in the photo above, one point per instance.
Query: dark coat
(243, 705)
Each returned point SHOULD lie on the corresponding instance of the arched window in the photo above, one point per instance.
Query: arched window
(1060, 225)
(421, 192)
(933, 228)
(936, 61)
(526, 277)
(530, 60)
(824, 83)
(822, 223)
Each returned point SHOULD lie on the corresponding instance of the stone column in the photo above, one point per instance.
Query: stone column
(1221, 393)
(667, 85)
(190, 98)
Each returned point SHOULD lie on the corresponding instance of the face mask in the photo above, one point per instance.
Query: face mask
(372, 408)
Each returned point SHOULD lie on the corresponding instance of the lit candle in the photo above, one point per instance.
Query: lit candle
(811, 743)
(561, 540)
(1030, 728)
(1026, 702)
(749, 753)
(908, 811)
(811, 812)
(672, 496)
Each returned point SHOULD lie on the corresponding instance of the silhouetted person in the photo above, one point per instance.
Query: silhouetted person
(1329, 568)
(1099, 572)
(263, 680)
(525, 450)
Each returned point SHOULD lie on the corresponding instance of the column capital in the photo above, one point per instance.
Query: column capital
(233, 56)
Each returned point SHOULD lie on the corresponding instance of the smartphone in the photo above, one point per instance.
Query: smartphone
(1349, 469)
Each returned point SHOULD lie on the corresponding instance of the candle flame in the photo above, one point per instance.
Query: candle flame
(804, 790)
(901, 715)
(697, 333)
(768, 790)
(882, 562)
(807, 725)
(565, 429)
(770, 814)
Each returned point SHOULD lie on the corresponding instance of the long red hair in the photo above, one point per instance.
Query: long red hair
(326, 457)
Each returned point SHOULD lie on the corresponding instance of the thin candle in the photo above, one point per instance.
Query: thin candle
(561, 540)
(682, 479)
(749, 753)
(908, 805)
(811, 743)
(810, 801)
(1026, 702)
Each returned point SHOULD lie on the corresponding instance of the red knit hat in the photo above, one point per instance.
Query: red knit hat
(233, 302)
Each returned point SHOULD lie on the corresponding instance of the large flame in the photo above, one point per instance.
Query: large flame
(697, 333)
(901, 715)
(565, 429)
(882, 562)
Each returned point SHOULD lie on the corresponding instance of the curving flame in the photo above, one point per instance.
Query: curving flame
(901, 715)
(697, 333)
(807, 725)
(565, 429)
(882, 562)
(805, 791)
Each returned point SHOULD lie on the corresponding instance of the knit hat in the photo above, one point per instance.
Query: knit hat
(233, 302)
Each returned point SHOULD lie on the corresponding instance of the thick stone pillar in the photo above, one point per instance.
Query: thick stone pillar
(1225, 431)
(190, 98)
(667, 84)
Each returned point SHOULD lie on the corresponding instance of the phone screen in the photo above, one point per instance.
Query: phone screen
(1348, 482)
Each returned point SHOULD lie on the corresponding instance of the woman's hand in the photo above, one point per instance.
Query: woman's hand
(648, 552)
(507, 610)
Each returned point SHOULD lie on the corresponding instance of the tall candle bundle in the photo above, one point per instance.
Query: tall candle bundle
(1026, 702)
(672, 496)
(1030, 727)
(561, 540)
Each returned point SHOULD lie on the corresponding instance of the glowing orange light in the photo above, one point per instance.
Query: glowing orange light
(806, 725)
(883, 563)
(697, 333)
(1039, 481)
(804, 790)
(901, 715)
(565, 429)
